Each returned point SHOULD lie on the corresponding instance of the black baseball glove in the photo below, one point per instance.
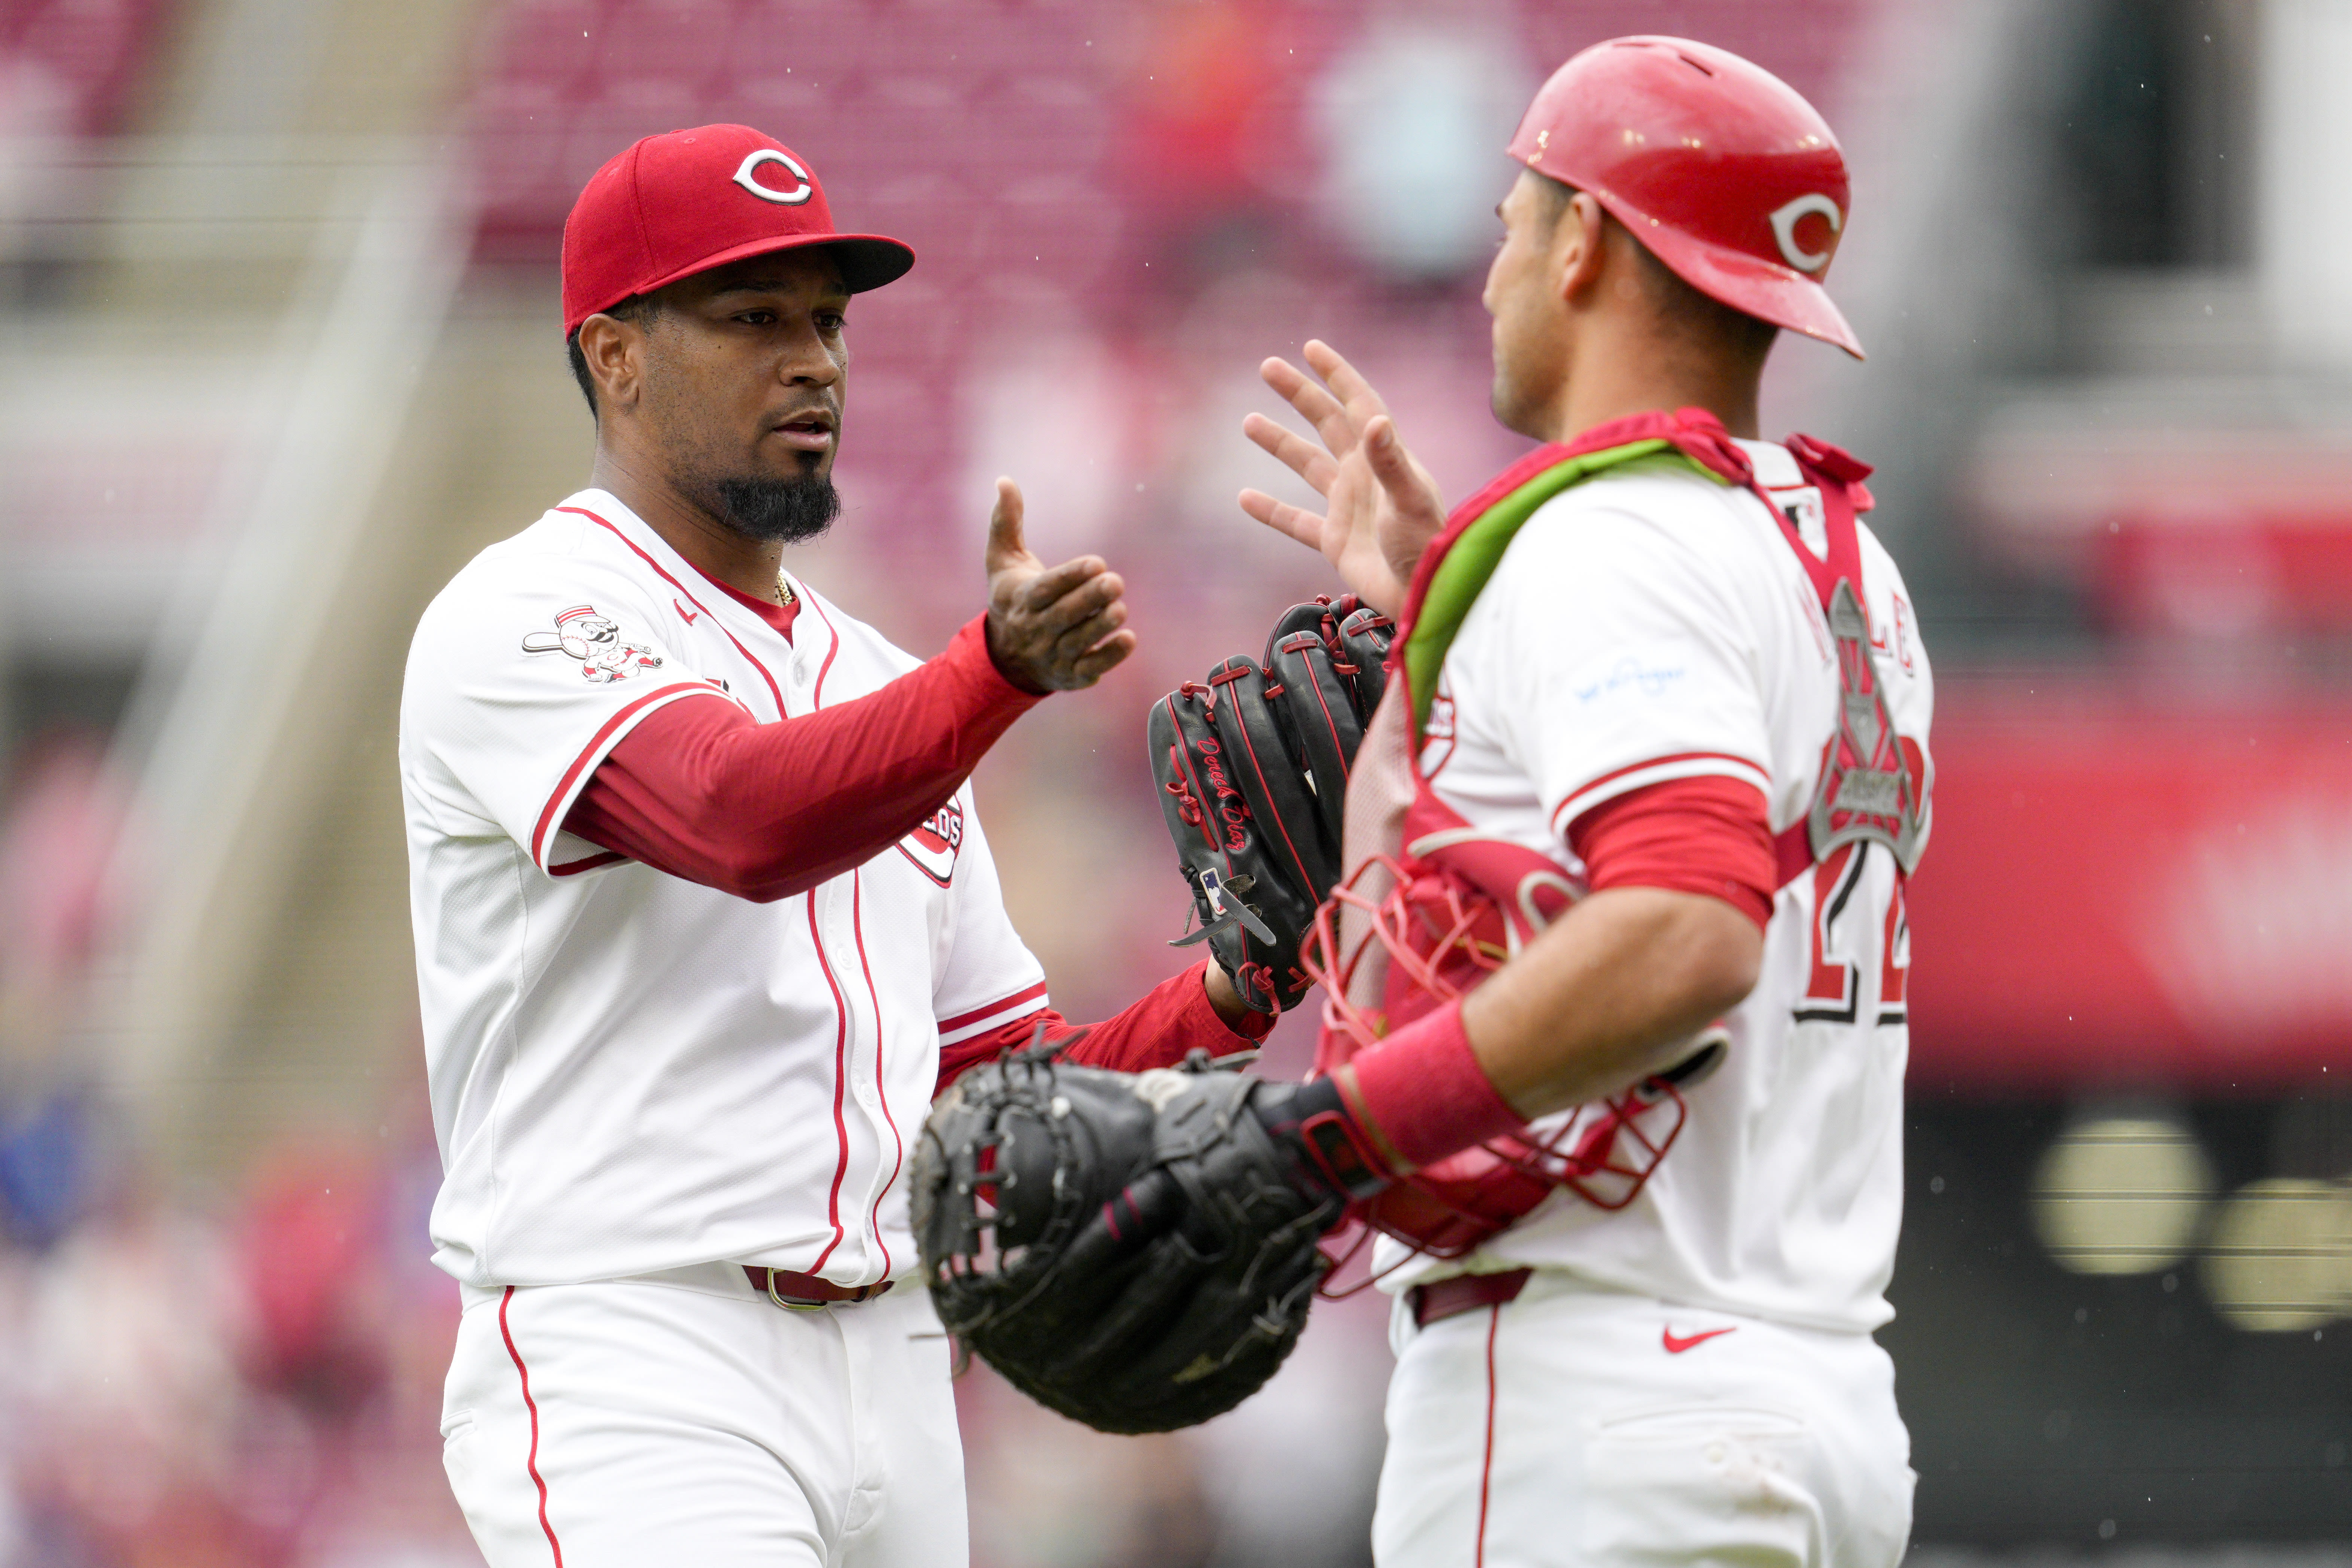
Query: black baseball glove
(1135, 1250)
(1253, 771)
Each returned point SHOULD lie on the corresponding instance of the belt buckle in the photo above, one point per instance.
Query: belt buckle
(792, 1303)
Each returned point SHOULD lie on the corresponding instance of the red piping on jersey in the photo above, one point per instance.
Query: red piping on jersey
(1653, 763)
(531, 1462)
(816, 693)
(950, 1025)
(1486, 1466)
(881, 1089)
(840, 1081)
(773, 691)
(538, 835)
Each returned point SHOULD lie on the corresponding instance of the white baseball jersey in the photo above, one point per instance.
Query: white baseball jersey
(1648, 625)
(631, 1072)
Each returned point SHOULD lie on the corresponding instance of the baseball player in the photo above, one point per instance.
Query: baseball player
(704, 918)
(1663, 699)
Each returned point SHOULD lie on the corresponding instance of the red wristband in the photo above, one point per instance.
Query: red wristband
(1423, 1094)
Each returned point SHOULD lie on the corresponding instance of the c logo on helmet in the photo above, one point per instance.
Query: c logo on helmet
(1784, 229)
(793, 198)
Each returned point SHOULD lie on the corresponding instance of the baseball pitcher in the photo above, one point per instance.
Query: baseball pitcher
(704, 917)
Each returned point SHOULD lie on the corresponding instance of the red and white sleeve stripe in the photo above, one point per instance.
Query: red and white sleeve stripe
(1658, 769)
(994, 1015)
(608, 736)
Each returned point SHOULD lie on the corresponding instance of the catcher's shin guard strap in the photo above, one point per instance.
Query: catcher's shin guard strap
(1423, 1093)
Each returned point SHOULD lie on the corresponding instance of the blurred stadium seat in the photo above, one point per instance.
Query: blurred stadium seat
(91, 48)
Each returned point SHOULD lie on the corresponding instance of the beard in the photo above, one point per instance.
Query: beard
(790, 512)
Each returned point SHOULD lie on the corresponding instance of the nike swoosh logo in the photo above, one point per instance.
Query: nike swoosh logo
(691, 615)
(1675, 1344)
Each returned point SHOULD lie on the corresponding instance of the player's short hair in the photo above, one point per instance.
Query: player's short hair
(1698, 316)
(1552, 198)
(1701, 316)
(636, 308)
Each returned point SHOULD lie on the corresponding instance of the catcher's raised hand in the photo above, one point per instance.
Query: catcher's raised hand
(1380, 507)
(1050, 628)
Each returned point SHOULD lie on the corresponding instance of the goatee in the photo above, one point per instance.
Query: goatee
(789, 510)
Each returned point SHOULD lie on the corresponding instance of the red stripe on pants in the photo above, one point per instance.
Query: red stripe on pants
(1487, 1468)
(523, 1373)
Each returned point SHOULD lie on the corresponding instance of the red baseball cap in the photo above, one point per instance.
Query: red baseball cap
(682, 203)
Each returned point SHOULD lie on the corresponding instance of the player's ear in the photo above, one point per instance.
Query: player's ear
(614, 351)
(1578, 242)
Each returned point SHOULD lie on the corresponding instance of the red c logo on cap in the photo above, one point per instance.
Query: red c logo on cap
(770, 155)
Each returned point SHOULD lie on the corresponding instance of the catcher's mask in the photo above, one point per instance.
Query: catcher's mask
(1441, 936)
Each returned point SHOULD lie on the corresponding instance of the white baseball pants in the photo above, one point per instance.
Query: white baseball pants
(682, 1417)
(1566, 1427)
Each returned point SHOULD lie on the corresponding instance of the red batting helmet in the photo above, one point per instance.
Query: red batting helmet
(668, 206)
(1717, 166)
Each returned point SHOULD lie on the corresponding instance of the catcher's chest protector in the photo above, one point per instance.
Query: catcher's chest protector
(1428, 907)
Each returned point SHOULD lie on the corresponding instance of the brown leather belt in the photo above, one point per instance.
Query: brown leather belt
(807, 1292)
(1434, 1303)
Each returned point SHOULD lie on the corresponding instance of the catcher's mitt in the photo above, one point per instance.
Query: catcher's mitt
(1253, 769)
(1133, 1250)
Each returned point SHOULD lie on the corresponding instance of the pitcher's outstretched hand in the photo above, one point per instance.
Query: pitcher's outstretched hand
(1050, 629)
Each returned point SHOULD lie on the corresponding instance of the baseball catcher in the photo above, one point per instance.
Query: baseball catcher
(1652, 755)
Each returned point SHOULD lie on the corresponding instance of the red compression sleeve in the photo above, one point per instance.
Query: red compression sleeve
(1158, 1030)
(1702, 836)
(701, 791)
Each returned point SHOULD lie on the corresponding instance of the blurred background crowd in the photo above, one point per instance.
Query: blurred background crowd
(278, 314)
